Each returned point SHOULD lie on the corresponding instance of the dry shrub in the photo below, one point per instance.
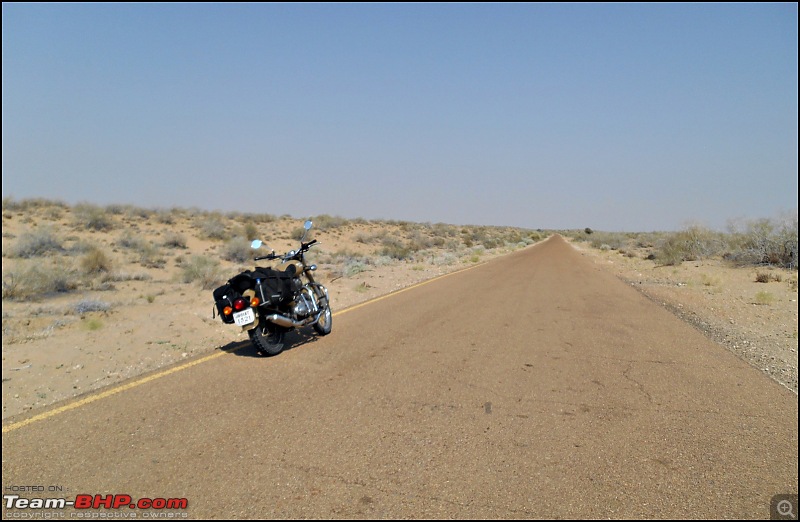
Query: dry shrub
(766, 277)
(764, 298)
(174, 240)
(92, 217)
(212, 227)
(203, 270)
(95, 261)
(691, 244)
(325, 222)
(35, 279)
(765, 242)
(237, 250)
(250, 231)
(37, 243)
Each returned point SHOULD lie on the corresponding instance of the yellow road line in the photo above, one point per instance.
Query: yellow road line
(107, 393)
(113, 391)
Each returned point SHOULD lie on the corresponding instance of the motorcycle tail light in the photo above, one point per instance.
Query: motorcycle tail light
(254, 302)
(227, 310)
(239, 304)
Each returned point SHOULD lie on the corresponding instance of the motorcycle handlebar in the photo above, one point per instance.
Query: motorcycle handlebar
(303, 248)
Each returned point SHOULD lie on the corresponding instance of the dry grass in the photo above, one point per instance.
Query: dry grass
(760, 243)
(112, 241)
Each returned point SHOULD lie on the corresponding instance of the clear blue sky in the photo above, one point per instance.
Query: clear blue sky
(631, 117)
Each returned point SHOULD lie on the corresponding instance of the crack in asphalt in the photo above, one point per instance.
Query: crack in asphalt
(639, 385)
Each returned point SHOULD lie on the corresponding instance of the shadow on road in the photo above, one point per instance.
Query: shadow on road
(291, 340)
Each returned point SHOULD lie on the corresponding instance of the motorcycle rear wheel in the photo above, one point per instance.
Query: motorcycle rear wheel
(267, 340)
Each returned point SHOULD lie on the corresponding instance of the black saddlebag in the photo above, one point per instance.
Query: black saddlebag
(224, 296)
(276, 287)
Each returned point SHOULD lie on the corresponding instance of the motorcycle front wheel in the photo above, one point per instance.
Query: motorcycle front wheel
(323, 326)
(267, 339)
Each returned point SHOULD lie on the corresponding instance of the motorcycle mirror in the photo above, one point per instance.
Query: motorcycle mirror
(308, 224)
(256, 244)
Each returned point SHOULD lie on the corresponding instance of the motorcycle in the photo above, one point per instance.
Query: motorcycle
(267, 303)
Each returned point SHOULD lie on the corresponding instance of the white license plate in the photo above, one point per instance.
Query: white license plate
(244, 317)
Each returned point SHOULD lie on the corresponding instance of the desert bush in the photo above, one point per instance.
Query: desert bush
(764, 242)
(250, 231)
(438, 242)
(53, 213)
(364, 238)
(764, 298)
(766, 277)
(512, 236)
(710, 281)
(444, 230)
(37, 243)
(353, 266)
(117, 276)
(203, 270)
(347, 262)
(608, 240)
(95, 261)
(491, 242)
(80, 246)
(419, 241)
(671, 252)
(237, 250)
(131, 241)
(133, 212)
(325, 222)
(165, 217)
(174, 240)
(10, 204)
(446, 258)
(90, 305)
(394, 248)
(787, 238)
(33, 279)
(212, 227)
(147, 253)
(150, 256)
(691, 244)
(92, 217)
(264, 218)
(646, 240)
(92, 323)
(115, 209)
(297, 234)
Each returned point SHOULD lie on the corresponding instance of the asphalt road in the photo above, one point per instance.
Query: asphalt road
(533, 386)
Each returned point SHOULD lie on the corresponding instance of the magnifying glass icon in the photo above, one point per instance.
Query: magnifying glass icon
(785, 509)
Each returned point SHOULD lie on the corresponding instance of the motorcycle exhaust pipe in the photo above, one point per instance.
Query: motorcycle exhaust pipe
(282, 320)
